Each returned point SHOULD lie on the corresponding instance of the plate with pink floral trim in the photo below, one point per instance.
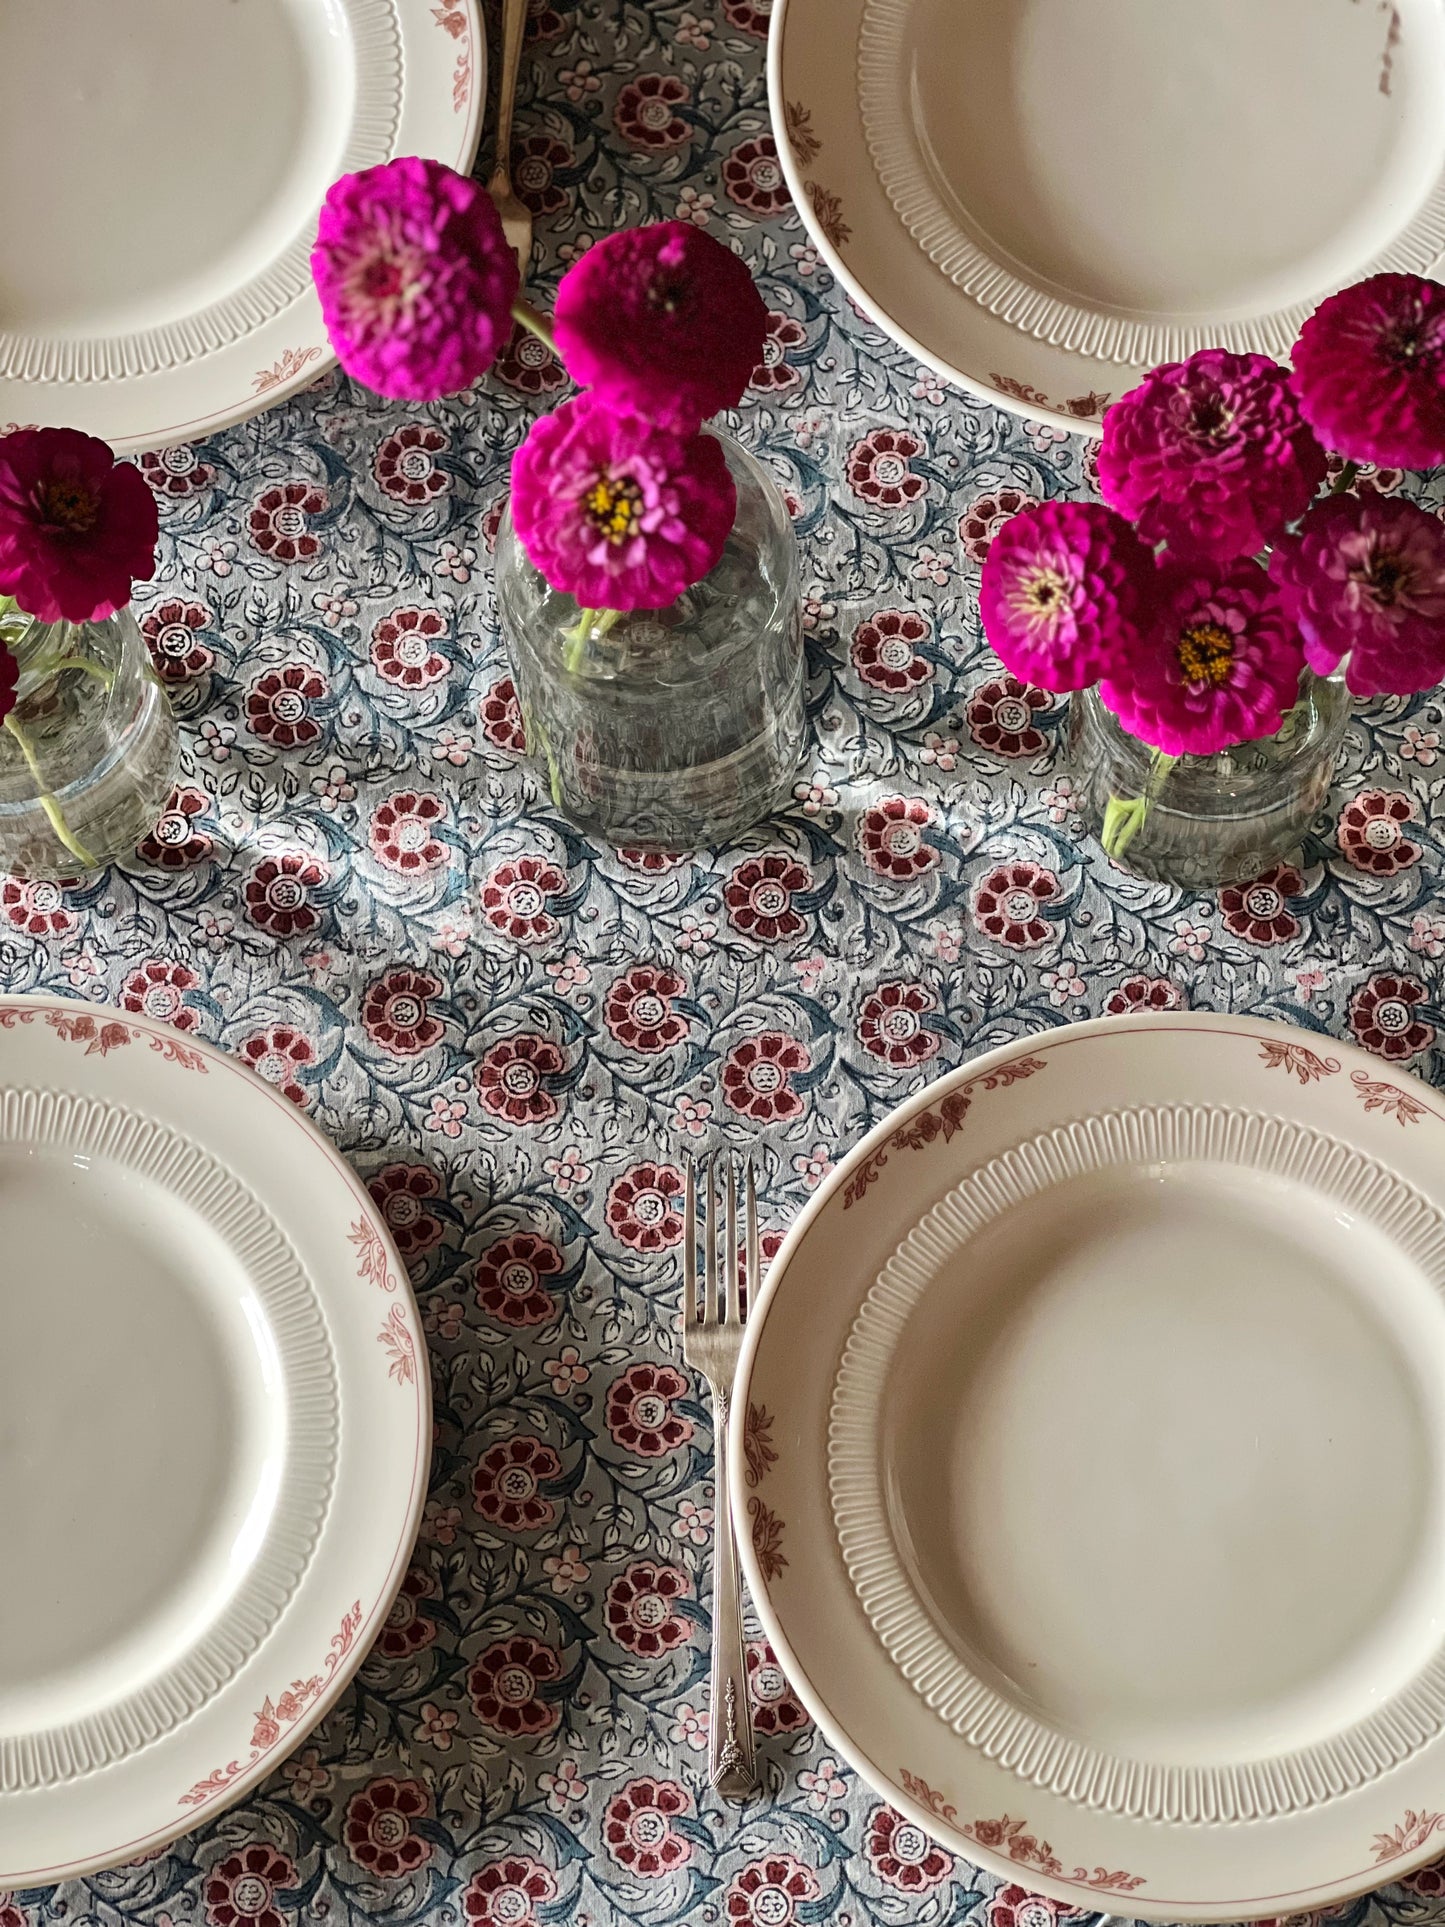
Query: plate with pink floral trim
(1092, 1479)
(198, 1551)
(161, 169)
(1043, 200)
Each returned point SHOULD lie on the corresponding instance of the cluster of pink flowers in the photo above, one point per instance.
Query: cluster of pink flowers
(618, 497)
(1218, 570)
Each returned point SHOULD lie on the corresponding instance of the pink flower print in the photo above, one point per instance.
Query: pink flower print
(1189, 939)
(279, 893)
(1001, 718)
(1007, 905)
(805, 258)
(513, 1079)
(932, 567)
(1143, 994)
(404, 647)
(693, 1523)
(645, 113)
(696, 935)
(568, 1168)
(567, 1371)
(1307, 982)
(811, 971)
(1259, 911)
(396, 1012)
(304, 1774)
(940, 750)
(516, 895)
(890, 835)
(1427, 934)
(775, 375)
(639, 1610)
(946, 942)
(980, 523)
(569, 972)
(885, 650)
(768, 1892)
(241, 1890)
(639, 1009)
(441, 1522)
(333, 787)
(280, 521)
(566, 1569)
(405, 465)
(641, 1410)
(757, 1076)
(36, 908)
(643, 1206)
(1420, 746)
(902, 1854)
(175, 473)
(444, 1321)
(218, 556)
(753, 177)
(509, 1279)
(638, 1830)
(815, 797)
(758, 897)
(825, 1786)
(277, 1055)
(692, 206)
(446, 1115)
(879, 471)
(279, 705)
(1063, 983)
(813, 1166)
(564, 1788)
(891, 1027)
(158, 989)
(436, 1726)
(691, 1116)
(579, 81)
(1371, 832)
(403, 831)
(693, 32)
(928, 388)
(336, 607)
(172, 632)
(455, 562)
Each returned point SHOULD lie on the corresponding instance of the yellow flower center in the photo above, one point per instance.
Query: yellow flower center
(68, 506)
(613, 505)
(1206, 655)
(1043, 592)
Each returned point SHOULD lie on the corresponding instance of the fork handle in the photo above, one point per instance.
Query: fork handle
(514, 21)
(731, 1764)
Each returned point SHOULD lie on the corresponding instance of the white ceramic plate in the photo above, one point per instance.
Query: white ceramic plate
(215, 1427)
(1093, 1478)
(1042, 200)
(161, 167)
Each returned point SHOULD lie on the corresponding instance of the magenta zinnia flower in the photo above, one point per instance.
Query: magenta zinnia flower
(662, 321)
(1364, 578)
(618, 513)
(1062, 592)
(1222, 667)
(1369, 370)
(77, 528)
(1210, 455)
(415, 277)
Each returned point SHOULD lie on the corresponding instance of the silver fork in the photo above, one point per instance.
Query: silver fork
(712, 1336)
(516, 215)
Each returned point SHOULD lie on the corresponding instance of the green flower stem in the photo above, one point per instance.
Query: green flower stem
(589, 623)
(534, 323)
(1345, 480)
(98, 670)
(52, 809)
(1125, 816)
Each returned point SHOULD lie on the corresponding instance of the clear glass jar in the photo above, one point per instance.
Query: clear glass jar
(1210, 820)
(672, 728)
(88, 753)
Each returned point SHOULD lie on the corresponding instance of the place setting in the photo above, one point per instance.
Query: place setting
(720, 964)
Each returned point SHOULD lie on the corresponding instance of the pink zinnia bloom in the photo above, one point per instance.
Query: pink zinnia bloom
(1369, 370)
(662, 321)
(1210, 456)
(415, 277)
(1222, 667)
(618, 513)
(1062, 592)
(77, 528)
(1364, 577)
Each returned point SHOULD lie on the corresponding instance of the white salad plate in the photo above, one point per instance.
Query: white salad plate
(215, 1427)
(1041, 200)
(162, 163)
(1092, 1481)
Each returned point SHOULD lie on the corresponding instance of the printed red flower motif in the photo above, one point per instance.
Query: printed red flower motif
(509, 1279)
(241, 1891)
(978, 525)
(507, 1893)
(768, 1892)
(639, 1609)
(175, 841)
(171, 630)
(758, 897)
(501, 717)
(277, 893)
(890, 1024)
(510, 1078)
(401, 1192)
(902, 1853)
(1015, 1907)
(506, 1486)
(1143, 993)
(36, 908)
(1382, 1016)
(775, 374)
(504, 1687)
(377, 1828)
(1427, 1881)
(753, 177)
(752, 16)
(646, 111)
(757, 1074)
(1372, 834)
(527, 364)
(402, 647)
(885, 652)
(278, 705)
(491, 522)
(277, 1054)
(890, 836)
(639, 1011)
(1006, 905)
(1001, 717)
(652, 862)
(878, 468)
(535, 161)
(543, 21)
(10, 1915)
(396, 1013)
(176, 472)
(279, 521)
(158, 990)
(776, 1708)
(402, 831)
(406, 467)
(514, 898)
(407, 1632)
(640, 1414)
(1259, 911)
(643, 1206)
(638, 1831)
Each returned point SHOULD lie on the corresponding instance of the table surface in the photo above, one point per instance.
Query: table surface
(382, 991)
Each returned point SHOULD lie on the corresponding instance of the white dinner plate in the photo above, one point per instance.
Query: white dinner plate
(215, 1427)
(1092, 1486)
(161, 167)
(1042, 200)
